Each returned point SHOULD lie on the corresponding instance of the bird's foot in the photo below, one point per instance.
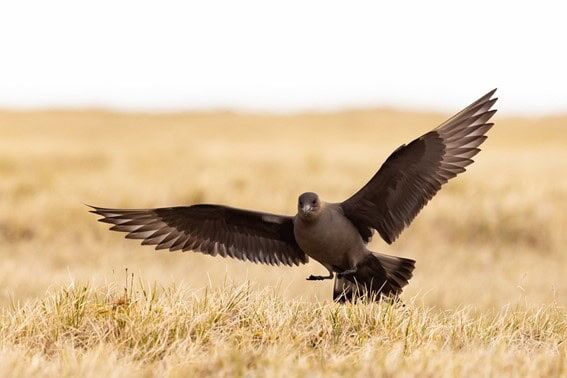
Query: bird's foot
(319, 278)
(345, 273)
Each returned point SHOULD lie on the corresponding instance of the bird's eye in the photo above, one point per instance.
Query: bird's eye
(314, 202)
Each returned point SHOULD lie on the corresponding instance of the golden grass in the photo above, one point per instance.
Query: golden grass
(488, 296)
(242, 330)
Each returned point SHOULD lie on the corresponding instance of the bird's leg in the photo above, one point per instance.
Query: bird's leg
(347, 272)
(320, 278)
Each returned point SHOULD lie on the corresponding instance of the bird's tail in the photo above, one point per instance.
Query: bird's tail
(376, 276)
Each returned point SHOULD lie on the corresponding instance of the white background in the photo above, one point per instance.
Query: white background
(282, 56)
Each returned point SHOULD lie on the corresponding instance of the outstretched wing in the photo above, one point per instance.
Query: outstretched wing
(414, 173)
(211, 229)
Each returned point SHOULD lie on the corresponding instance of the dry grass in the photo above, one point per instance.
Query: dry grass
(488, 297)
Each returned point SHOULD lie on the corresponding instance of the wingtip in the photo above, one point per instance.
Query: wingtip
(491, 93)
(484, 99)
(93, 209)
(99, 209)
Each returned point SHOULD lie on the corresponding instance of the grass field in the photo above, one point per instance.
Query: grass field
(488, 297)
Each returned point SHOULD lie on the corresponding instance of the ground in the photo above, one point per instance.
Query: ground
(488, 296)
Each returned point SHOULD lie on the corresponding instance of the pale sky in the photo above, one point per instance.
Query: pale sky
(283, 56)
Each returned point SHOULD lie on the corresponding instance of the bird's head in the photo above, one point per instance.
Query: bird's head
(309, 205)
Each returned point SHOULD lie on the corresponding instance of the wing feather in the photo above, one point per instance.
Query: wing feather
(211, 229)
(415, 172)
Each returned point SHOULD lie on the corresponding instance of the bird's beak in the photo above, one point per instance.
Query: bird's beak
(306, 208)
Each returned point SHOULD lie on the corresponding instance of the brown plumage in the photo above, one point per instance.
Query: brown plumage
(334, 234)
(211, 229)
(414, 173)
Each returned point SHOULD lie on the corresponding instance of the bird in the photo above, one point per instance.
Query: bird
(336, 235)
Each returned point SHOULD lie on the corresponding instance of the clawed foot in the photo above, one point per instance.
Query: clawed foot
(319, 278)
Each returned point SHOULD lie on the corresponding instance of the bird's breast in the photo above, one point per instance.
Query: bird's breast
(330, 239)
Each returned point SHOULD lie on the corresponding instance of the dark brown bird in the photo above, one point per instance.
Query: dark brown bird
(334, 234)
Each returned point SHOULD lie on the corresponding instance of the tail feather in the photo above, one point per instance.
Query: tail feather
(377, 275)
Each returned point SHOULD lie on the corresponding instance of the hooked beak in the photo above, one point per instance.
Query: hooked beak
(306, 208)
